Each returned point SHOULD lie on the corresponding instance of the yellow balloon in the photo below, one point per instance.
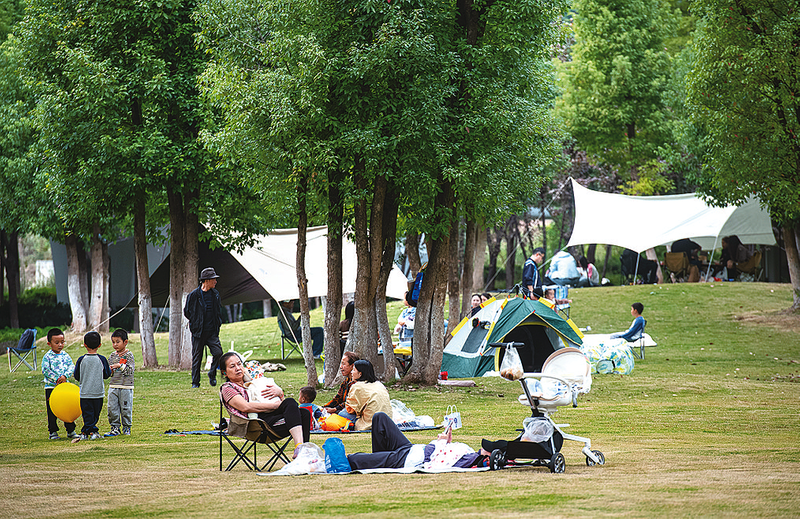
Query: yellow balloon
(65, 402)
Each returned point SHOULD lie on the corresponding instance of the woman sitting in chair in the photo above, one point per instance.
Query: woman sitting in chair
(281, 414)
(367, 396)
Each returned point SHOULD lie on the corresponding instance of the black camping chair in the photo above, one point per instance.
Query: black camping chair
(252, 431)
(286, 337)
(24, 348)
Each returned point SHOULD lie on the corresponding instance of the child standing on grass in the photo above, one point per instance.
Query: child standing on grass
(90, 370)
(57, 367)
(120, 387)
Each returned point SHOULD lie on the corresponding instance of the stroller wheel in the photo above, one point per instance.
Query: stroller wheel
(590, 463)
(497, 460)
(557, 463)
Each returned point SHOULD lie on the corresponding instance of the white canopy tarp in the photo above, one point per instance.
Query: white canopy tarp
(267, 270)
(272, 263)
(641, 222)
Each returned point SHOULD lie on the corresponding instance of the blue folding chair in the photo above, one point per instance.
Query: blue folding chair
(24, 348)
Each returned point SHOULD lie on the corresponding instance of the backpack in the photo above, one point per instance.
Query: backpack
(26, 340)
(335, 457)
(413, 295)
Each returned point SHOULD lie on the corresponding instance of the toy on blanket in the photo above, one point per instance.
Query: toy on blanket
(610, 356)
(335, 422)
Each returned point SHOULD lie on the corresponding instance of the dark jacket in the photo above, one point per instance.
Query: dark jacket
(195, 309)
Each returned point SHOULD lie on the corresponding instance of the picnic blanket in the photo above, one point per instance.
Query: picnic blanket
(409, 470)
(175, 432)
(402, 427)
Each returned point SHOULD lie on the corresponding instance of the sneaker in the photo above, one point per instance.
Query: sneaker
(126, 431)
(113, 432)
(195, 386)
(212, 379)
(54, 436)
(94, 436)
(72, 435)
(79, 438)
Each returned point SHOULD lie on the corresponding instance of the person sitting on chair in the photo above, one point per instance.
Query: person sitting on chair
(564, 269)
(292, 328)
(391, 449)
(733, 252)
(282, 414)
(367, 396)
(636, 330)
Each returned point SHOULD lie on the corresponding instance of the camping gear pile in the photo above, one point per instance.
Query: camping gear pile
(610, 356)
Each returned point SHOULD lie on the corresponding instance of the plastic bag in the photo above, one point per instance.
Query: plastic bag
(335, 457)
(310, 459)
(511, 367)
(452, 418)
(536, 430)
(400, 412)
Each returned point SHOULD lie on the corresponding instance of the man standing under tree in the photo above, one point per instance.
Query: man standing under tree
(204, 311)
(531, 279)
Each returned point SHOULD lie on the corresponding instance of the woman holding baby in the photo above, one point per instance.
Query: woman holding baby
(280, 413)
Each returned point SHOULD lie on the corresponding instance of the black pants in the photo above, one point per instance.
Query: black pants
(214, 347)
(317, 339)
(292, 417)
(389, 446)
(52, 424)
(91, 409)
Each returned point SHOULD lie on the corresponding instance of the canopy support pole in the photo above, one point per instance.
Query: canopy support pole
(711, 256)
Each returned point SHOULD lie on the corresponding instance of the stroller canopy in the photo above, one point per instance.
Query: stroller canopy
(541, 329)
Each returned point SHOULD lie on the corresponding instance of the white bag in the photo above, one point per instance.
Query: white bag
(452, 418)
(310, 459)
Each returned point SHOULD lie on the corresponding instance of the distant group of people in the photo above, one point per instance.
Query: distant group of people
(564, 271)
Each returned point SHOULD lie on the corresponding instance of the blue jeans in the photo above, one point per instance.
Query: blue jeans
(350, 416)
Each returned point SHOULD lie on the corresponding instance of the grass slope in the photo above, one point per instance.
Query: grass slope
(706, 425)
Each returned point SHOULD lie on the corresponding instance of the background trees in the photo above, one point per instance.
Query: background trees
(743, 93)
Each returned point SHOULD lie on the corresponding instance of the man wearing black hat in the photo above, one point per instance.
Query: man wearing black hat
(204, 311)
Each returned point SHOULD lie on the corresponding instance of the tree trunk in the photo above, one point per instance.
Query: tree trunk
(84, 265)
(302, 283)
(791, 237)
(149, 358)
(105, 316)
(542, 208)
(97, 302)
(412, 253)
(177, 263)
(191, 274)
(478, 281)
(76, 302)
(591, 253)
(429, 320)
(12, 276)
(511, 251)
(333, 309)
(468, 272)
(369, 254)
(494, 242)
(2, 267)
(389, 235)
(605, 263)
(453, 288)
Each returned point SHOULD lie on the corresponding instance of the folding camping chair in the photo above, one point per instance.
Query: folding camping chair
(638, 343)
(751, 267)
(253, 432)
(403, 353)
(286, 336)
(677, 263)
(24, 348)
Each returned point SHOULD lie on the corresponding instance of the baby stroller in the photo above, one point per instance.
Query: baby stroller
(564, 375)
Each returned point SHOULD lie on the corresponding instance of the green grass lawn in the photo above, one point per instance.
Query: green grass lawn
(707, 425)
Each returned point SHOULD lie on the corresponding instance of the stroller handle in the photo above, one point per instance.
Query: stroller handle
(506, 344)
